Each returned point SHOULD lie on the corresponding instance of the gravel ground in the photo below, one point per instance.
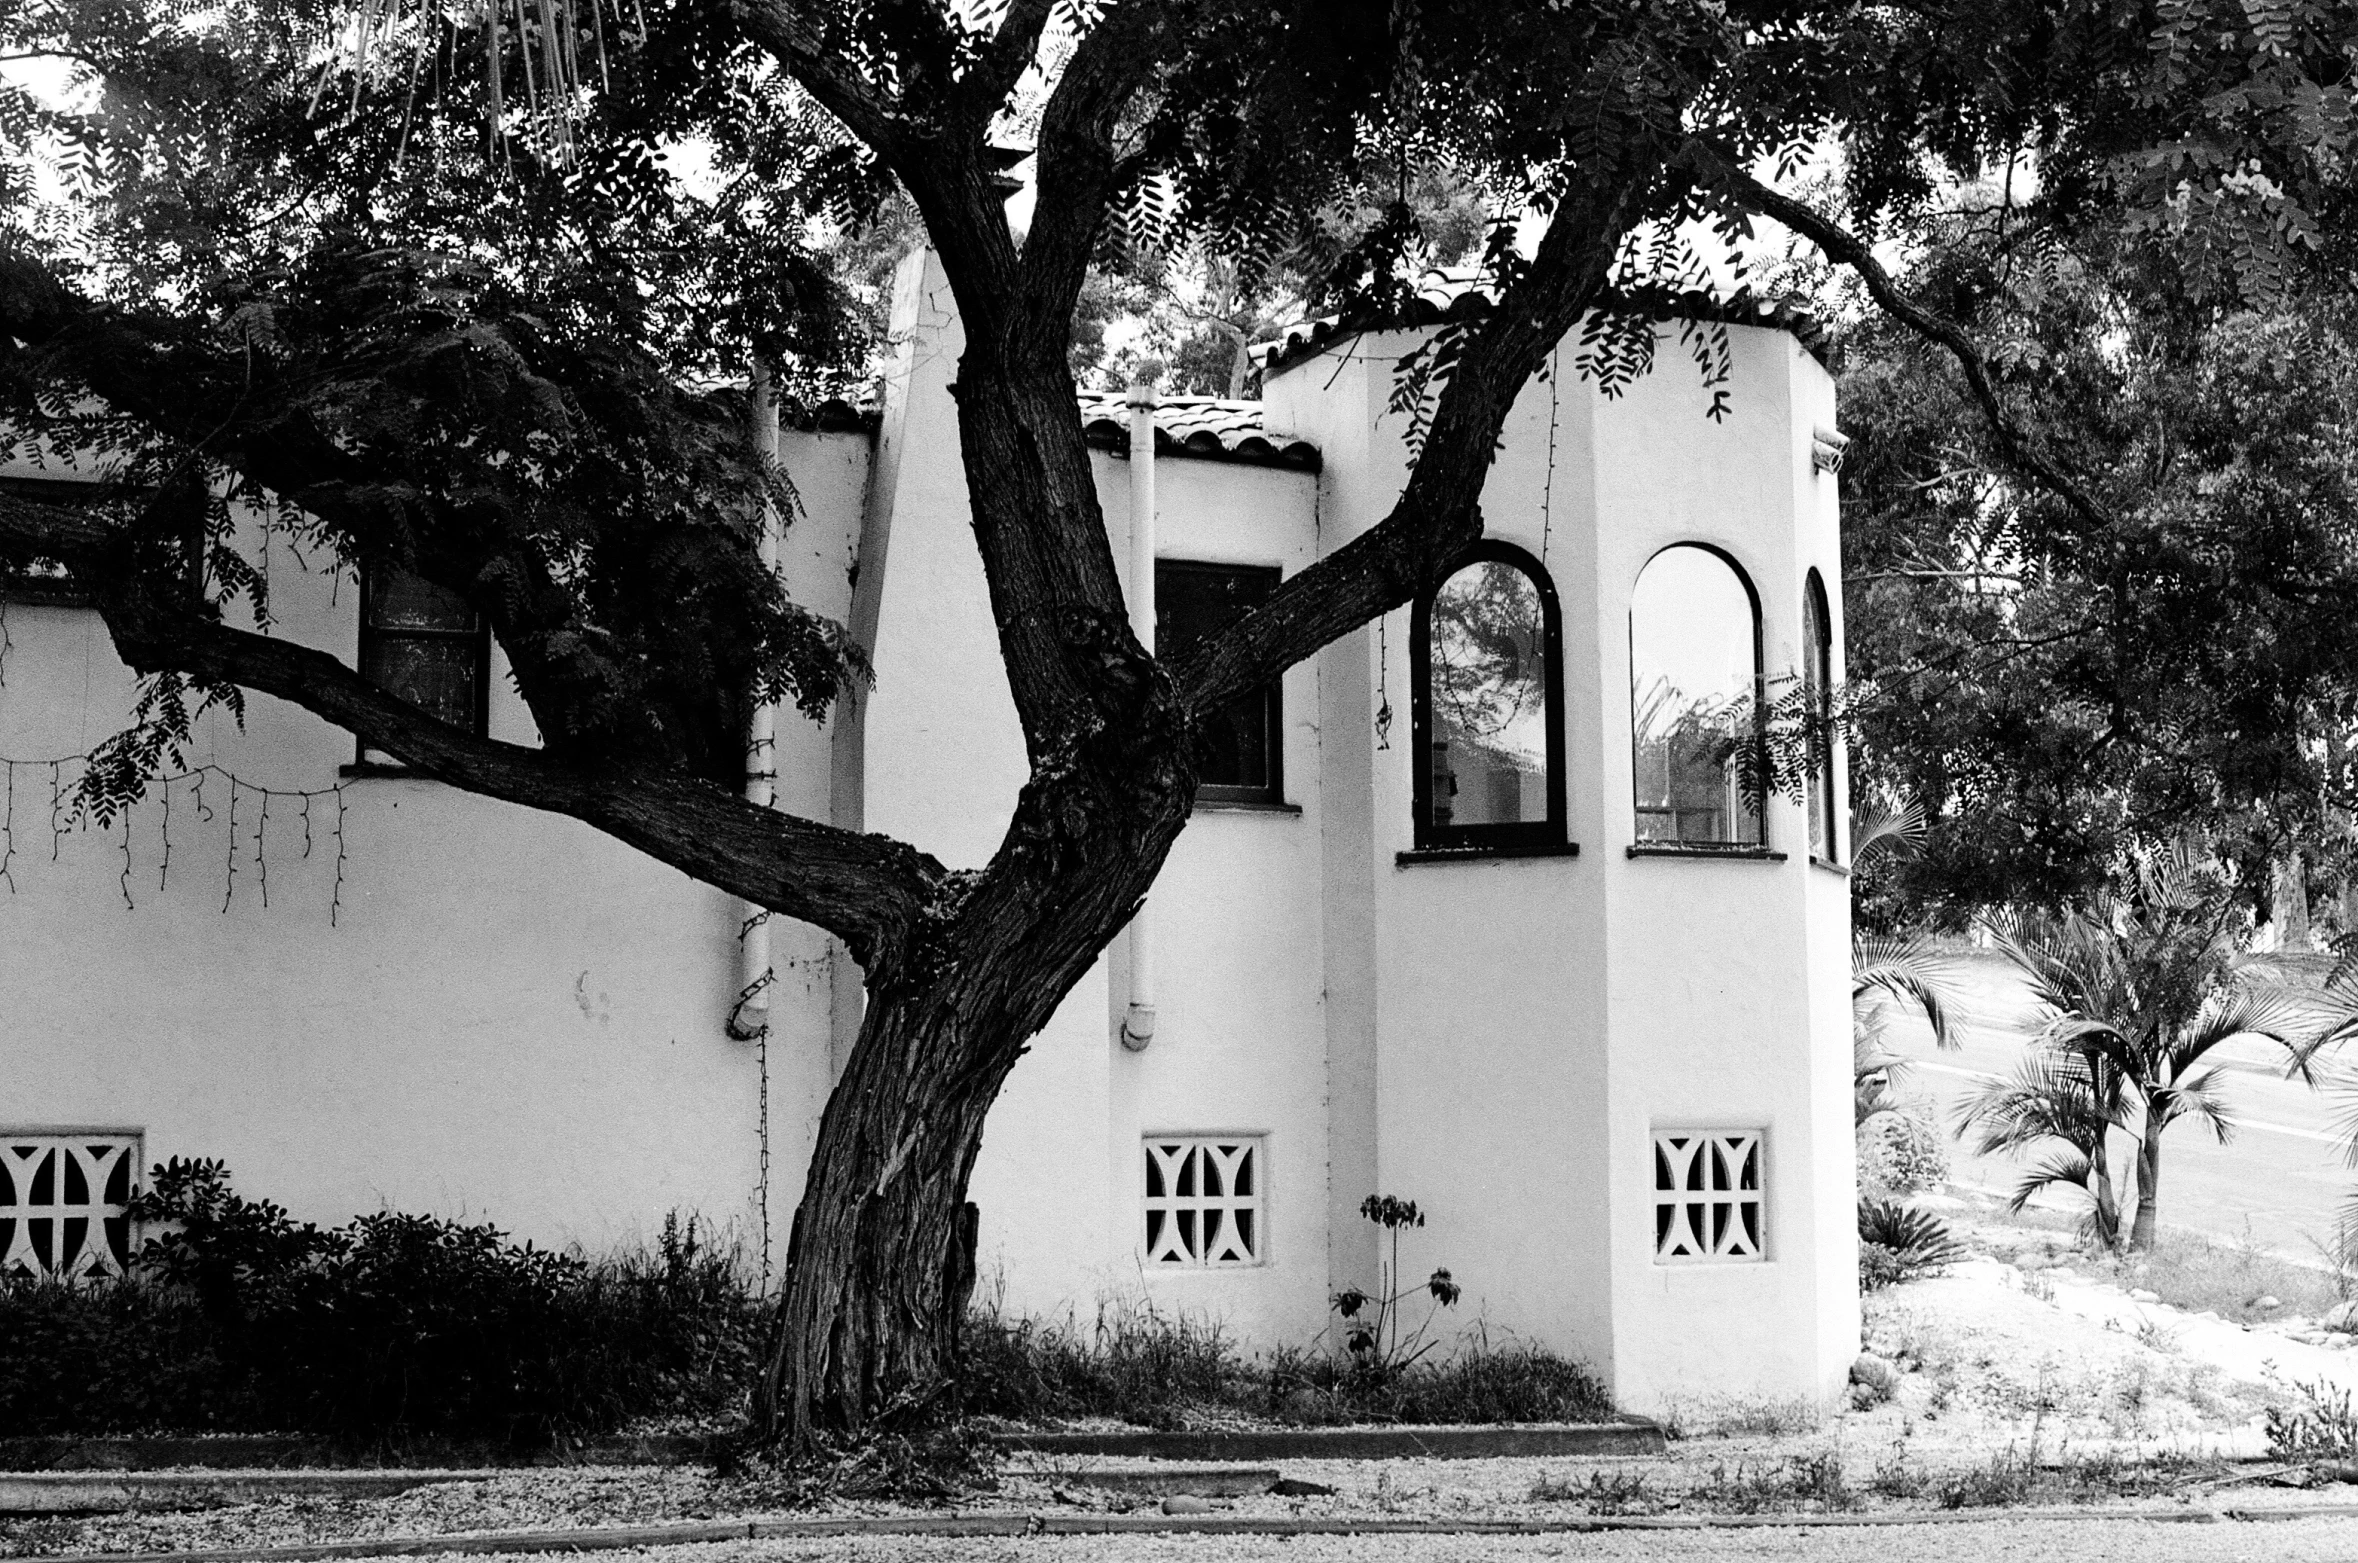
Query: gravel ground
(2044, 1541)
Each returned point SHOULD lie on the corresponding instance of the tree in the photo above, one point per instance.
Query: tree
(2138, 994)
(1618, 128)
(2059, 689)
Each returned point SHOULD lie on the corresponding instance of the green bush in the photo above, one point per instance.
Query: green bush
(392, 1327)
(1899, 1152)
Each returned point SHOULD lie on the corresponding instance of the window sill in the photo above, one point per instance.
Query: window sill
(1734, 853)
(1484, 854)
(1841, 870)
(1244, 806)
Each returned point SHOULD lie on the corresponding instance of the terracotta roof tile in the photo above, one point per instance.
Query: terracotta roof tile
(1208, 427)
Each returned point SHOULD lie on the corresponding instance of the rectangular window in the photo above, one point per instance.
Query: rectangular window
(1240, 754)
(1707, 1195)
(62, 1201)
(426, 644)
(1203, 1201)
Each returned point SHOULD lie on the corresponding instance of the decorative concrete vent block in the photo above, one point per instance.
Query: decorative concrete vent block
(1203, 1201)
(1707, 1195)
(62, 1199)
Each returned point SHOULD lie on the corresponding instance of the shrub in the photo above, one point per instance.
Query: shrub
(1159, 1369)
(1898, 1152)
(389, 1328)
(1898, 1244)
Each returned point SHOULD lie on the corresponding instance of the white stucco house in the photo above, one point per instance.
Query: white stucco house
(1472, 912)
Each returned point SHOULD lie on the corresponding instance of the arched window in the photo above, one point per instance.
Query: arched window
(1817, 632)
(1694, 656)
(1488, 703)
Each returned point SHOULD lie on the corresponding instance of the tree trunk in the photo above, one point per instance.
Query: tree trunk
(2290, 908)
(2108, 1209)
(2148, 1186)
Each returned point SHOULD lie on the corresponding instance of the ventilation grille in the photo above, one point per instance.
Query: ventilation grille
(1203, 1202)
(1707, 1196)
(62, 1199)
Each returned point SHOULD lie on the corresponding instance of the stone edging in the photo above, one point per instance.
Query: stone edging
(1631, 1437)
(617, 1538)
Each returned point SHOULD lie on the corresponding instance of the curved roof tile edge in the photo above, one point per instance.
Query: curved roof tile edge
(1252, 449)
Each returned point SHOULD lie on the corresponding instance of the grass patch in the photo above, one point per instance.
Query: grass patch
(1139, 1364)
(2204, 1275)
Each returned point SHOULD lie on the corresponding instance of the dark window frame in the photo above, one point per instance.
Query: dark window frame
(63, 591)
(371, 635)
(1763, 847)
(1817, 618)
(1270, 794)
(1505, 839)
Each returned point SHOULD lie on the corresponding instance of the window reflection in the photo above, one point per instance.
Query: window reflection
(1489, 744)
(1695, 667)
(1489, 730)
(1818, 676)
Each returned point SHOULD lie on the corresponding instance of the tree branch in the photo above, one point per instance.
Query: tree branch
(1845, 247)
(1006, 57)
(870, 891)
(1437, 515)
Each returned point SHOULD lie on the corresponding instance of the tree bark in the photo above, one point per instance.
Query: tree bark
(2148, 1187)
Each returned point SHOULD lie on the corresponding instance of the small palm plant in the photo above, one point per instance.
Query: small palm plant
(2139, 996)
(1906, 971)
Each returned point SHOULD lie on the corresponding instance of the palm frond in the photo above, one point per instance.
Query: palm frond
(2198, 1093)
(2061, 1167)
(1909, 971)
(1903, 829)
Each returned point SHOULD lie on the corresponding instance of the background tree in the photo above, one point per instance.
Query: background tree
(1600, 135)
(2059, 687)
(2138, 993)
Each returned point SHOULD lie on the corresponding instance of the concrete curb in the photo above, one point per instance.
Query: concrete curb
(248, 1452)
(109, 1492)
(617, 1538)
(1558, 1440)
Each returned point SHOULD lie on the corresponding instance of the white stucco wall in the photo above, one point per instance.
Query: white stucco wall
(512, 1018)
(1533, 1021)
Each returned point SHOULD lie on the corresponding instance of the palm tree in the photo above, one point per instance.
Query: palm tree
(2138, 994)
(1905, 971)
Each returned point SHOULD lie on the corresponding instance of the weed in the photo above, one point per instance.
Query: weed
(2038, 1285)
(1804, 1481)
(1895, 1477)
(2154, 1335)
(2007, 1478)
(1624, 1492)
(2324, 1428)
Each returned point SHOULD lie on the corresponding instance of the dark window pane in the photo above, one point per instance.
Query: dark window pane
(436, 674)
(1489, 693)
(1236, 746)
(398, 600)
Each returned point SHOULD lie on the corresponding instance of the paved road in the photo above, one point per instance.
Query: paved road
(2281, 1180)
(2007, 1541)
